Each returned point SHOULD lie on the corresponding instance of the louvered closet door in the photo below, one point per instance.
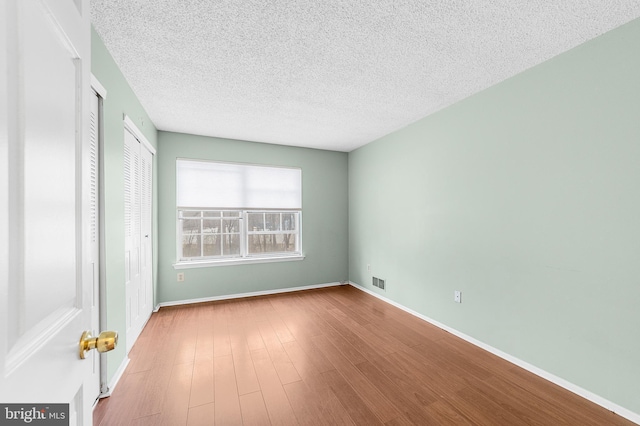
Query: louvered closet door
(145, 300)
(138, 251)
(132, 233)
(94, 233)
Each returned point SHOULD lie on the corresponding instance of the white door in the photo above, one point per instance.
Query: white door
(145, 301)
(132, 235)
(45, 273)
(138, 250)
(93, 230)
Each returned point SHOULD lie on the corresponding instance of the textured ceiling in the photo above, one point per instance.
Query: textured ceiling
(331, 74)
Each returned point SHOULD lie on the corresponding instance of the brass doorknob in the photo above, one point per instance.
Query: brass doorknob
(106, 341)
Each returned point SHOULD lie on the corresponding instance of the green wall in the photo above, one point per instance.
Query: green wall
(324, 219)
(120, 100)
(526, 198)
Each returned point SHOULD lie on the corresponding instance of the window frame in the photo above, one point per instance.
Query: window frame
(297, 240)
(202, 234)
(207, 181)
(244, 234)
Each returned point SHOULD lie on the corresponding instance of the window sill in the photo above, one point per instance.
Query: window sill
(235, 261)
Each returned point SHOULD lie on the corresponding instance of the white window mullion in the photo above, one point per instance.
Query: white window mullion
(201, 234)
(244, 235)
(221, 233)
(299, 230)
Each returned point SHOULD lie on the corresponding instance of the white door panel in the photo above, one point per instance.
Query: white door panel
(138, 251)
(93, 230)
(45, 276)
(145, 300)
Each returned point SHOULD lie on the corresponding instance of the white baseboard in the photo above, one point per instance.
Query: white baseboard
(241, 295)
(116, 378)
(619, 410)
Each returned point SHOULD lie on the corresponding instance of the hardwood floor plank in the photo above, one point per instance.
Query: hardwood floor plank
(286, 304)
(202, 415)
(246, 378)
(377, 403)
(393, 328)
(383, 314)
(152, 420)
(120, 407)
(302, 324)
(573, 405)
(353, 355)
(166, 347)
(400, 421)
(151, 391)
(378, 345)
(282, 331)
(279, 358)
(451, 362)
(142, 354)
(523, 404)
(445, 413)
(226, 399)
(358, 410)
(304, 404)
(366, 310)
(409, 403)
(275, 398)
(221, 343)
(335, 300)
(350, 335)
(175, 407)
(303, 362)
(238, 308)
(186, 349)
(481, 409)
(202, 384)
(334, 411)
(254, 412)
(330, 406)
(252, 335)
(405, 381)
(432, 373)
(186, 326)
(204, 337)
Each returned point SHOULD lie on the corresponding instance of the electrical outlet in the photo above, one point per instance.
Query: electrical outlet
(180, 277)
(457, 296)
(368, 268)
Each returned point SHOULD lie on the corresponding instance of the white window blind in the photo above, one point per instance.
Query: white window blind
(209, 184)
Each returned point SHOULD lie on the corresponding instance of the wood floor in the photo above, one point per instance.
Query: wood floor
(330, 356)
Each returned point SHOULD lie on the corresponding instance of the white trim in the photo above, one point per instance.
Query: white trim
(116, 378)
(234, 261)
(98, 88)
(133, 129)
(241, 295)
(611, 406)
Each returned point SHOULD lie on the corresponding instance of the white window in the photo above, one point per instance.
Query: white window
(237, 213)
